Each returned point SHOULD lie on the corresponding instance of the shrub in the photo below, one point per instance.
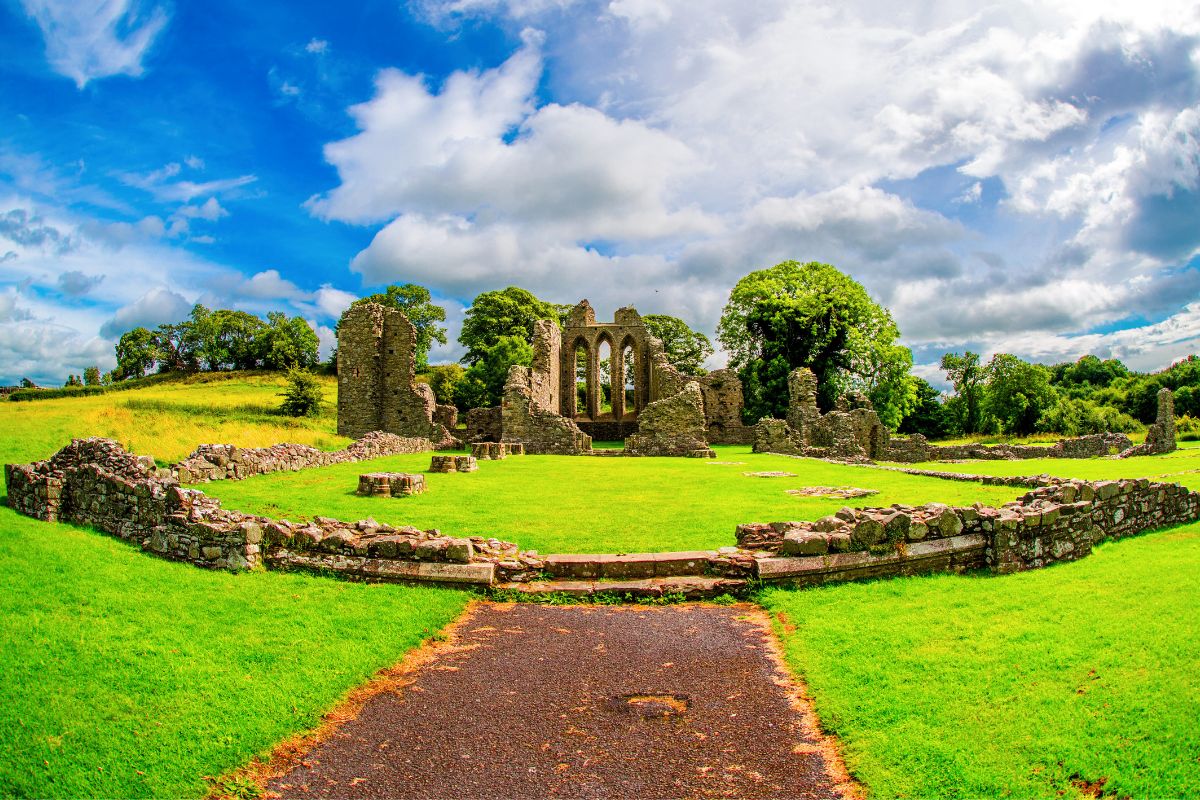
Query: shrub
(1187, 428)
(302, 397)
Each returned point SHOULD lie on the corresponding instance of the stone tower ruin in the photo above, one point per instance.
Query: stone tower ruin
(376, 370)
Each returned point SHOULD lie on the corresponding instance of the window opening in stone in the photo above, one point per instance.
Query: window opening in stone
(629, 385)
(604, 401)
(581, 378)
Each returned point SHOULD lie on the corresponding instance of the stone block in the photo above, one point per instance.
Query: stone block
(804, 544)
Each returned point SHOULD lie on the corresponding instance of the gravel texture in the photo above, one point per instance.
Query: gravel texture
(580, 701)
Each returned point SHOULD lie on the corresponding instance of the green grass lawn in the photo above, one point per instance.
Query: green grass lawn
(572, 504)
(128, 676)
(1181, 466)
(954, 686)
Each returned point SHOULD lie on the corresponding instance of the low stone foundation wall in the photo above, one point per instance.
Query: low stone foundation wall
(916, 448)
(215, 462)
(1060, 521)
(95, 482)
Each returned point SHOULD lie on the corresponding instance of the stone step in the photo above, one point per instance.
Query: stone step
(629, 566)
(689, 587)
(604, 452)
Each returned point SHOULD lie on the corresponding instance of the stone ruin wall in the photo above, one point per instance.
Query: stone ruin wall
(96, 482)
(672, 426)
(1060, 520)
(376, 371)
(851, 432)
(215, 462)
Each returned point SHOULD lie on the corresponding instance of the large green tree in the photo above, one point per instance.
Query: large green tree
(966, 373)
(1018, 393)
(501, 313)
(813, 315)
(417, 304)
(482, 385)
(287, 343)
(137, 353)
(686, 349)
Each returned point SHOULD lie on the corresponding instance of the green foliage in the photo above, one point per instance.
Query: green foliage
(302, 397)
(286, 342)
(482, 385)
(1187, 428)
(73, 381)
(1016, 686)
(929, 415)
(417, 304)
(218, 340)
(499, 314)
(967, 375)
(137, 352)
(812, 315)
(1017, 394)
(129, 676)
(443, 379)
(686, 349)
(91, 376)
(1072, 417)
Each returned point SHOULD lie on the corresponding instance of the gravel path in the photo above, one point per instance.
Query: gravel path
(581, 702)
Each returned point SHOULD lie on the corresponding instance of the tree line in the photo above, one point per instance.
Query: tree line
(777, 319)
(221, 339)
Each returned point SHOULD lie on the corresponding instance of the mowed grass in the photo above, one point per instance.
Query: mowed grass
(168, 420)
(1181, 466)
(128, 676)
(1027, 685)
(572, 504)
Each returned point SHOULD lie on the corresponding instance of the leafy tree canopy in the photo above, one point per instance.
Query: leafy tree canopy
(417, 304)
(502, 313)
(482, 385)
(1018, 393)
(686, 349)
(812, 315)
(967, 375)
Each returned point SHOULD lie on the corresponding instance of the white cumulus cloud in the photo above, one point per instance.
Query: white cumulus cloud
(90, 40)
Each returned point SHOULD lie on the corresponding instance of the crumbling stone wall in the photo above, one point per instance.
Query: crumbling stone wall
(484, 425)
(916, 448)
(1160, 437)
(216, 462)
(376, 371)
(96, 482)
(673, 426)
(1059, 521)
(851, 432)
(539, 430)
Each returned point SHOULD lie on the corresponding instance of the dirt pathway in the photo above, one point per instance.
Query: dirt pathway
(582, 701)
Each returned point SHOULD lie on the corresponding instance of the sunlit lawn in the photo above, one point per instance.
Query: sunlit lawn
(953, 686)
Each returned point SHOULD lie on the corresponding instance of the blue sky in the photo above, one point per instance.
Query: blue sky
(1015, 177)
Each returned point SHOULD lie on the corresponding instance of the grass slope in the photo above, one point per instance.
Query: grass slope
(1016, 686)
(167, 420)
(569, 504)
(127, 676)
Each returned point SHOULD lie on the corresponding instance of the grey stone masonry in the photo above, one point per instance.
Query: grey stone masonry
(1160, 437)
(453, 464)
(376, 371)
(673, 426)
(390, 484)
(851, 432)
(216, 462)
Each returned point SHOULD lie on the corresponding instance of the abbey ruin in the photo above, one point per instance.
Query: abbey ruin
(610, 381)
